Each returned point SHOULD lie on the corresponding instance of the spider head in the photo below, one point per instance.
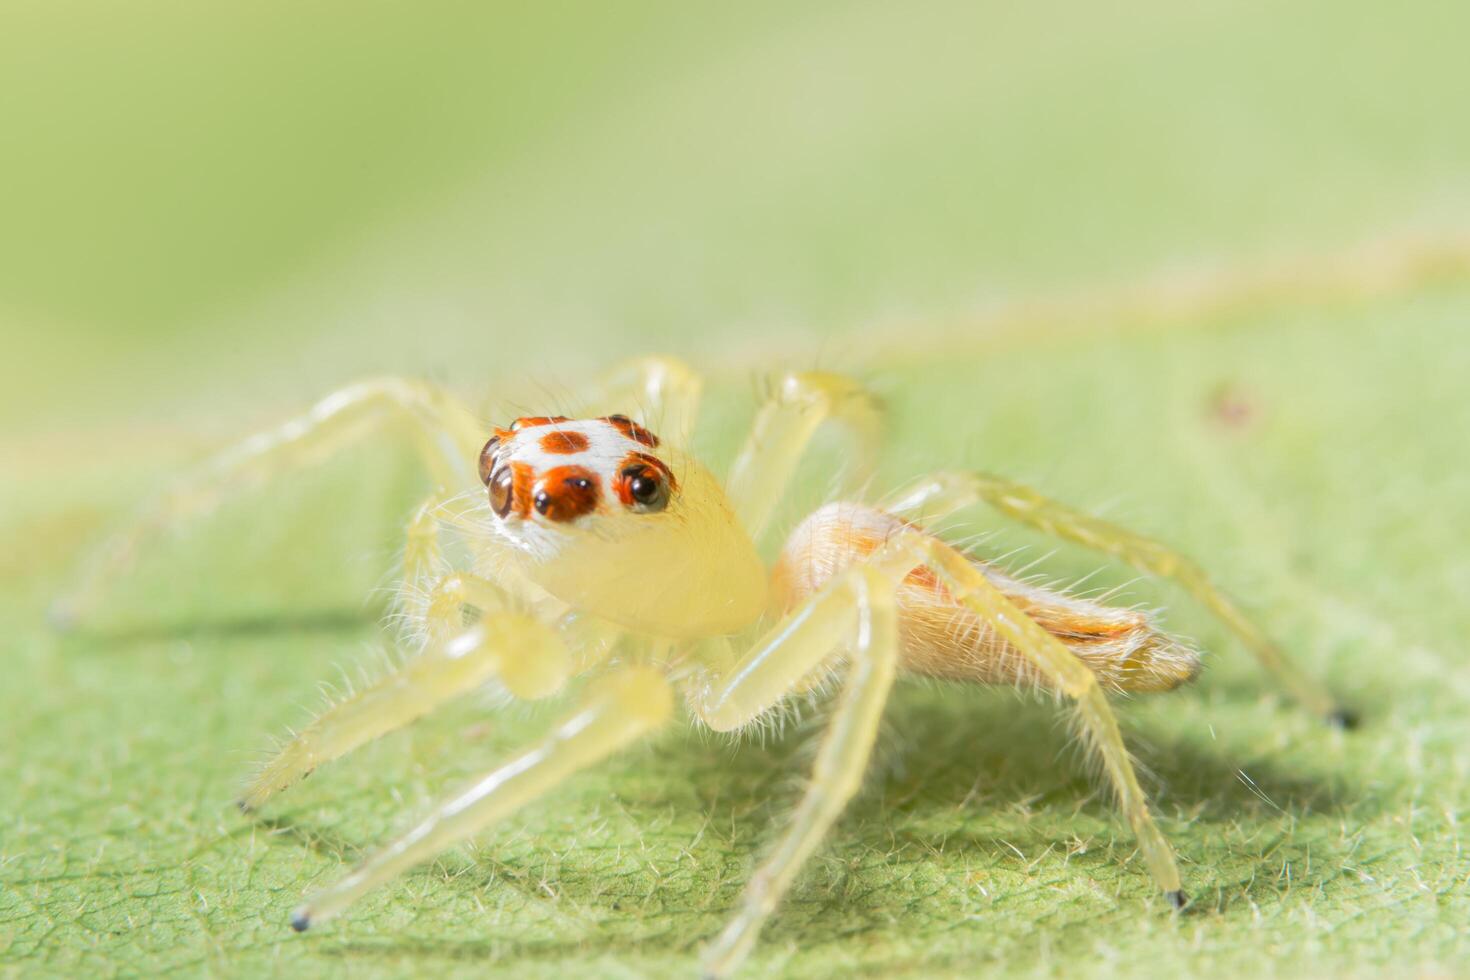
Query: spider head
(554, 471)
(610, 521)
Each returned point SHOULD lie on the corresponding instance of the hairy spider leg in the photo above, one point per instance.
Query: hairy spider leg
(527, 656)
(622, 708)
(802, 642)
(445, 434)
(423, 553)
(784, 426)
(659, 392)
(1067, 673)
(432, 598)
(429, 602)
(856, 611)
(946, 492)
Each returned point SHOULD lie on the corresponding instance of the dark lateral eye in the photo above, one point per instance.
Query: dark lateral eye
(646, 489)
(487, 459)
(501, 483)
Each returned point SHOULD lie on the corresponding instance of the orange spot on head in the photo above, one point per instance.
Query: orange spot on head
(635, 464)
(565, 493)
(561, 442)
(632, 430)
(522, 477)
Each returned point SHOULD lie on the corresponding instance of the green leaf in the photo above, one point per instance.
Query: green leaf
(1104, 254)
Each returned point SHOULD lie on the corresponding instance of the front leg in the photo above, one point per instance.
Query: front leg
(856, 611)
(943, 493)
(622, 708)
(439, 427)
(528, 657)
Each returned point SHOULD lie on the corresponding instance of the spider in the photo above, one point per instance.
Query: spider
(597, 548)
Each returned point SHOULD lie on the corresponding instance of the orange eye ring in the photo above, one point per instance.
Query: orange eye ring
(643, 488)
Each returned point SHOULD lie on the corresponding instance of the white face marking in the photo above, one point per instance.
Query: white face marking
(605, 457)
(606, 448)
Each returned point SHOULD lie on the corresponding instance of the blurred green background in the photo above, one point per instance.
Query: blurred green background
(1205, 265)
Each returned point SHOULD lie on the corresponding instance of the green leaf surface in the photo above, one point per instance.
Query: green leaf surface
(1195, 267)
(976, 844)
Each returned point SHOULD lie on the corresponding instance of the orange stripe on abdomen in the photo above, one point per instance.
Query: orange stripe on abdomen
(943, 638)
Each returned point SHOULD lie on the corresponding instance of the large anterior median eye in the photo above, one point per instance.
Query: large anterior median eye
(643, 488)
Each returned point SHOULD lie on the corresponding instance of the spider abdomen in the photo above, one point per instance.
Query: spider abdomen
(943, 638)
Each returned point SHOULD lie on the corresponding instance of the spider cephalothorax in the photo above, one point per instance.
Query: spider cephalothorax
(564, 469)
(596, 548)
(585, 503)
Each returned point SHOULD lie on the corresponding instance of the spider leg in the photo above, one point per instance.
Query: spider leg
(660, 392)
(430, 603)
(423, 552)
(523, 653)
(432, 597)
(1068, 674)
(430, 583)
(622, 708)
(859, 605)
(944, 493)
(784, 426)
(442, 430)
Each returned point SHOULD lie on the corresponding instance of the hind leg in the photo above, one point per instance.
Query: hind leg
(909, 555)
(1065, 673)
(944, 493)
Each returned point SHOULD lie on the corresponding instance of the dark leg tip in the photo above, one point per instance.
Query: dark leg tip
(242, 806)
(1344, 719)
(1177, 899)
(300, 920)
